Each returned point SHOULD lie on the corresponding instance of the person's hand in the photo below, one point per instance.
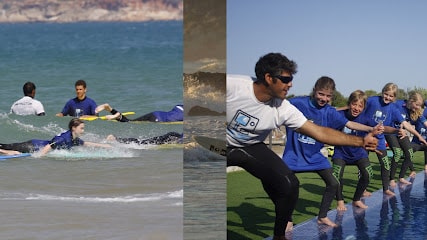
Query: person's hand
(378, 129)
(422, 140)
(370, 142)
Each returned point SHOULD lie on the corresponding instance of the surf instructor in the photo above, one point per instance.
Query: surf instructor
(257, 106)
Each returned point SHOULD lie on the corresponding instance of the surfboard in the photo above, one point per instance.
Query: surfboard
(5, 157)
(215, 145)
(91, 118)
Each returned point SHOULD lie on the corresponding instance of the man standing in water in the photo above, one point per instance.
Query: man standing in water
(257, 106)
(81, 105)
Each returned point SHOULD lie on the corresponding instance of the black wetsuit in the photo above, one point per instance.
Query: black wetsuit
(168, 138)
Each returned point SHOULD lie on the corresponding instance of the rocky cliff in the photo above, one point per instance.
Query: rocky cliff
(90, 10)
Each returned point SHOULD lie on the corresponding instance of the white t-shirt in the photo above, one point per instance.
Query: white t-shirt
(27, 106)
(249, 121)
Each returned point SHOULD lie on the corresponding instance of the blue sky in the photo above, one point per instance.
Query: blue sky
(360, 44)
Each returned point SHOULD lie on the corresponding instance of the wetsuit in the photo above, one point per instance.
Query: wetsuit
(400, 147)
(346, 155)
(174, 115)
(302, 153)
(377, 111)
(249, 123)
(168, 138)
(61, 141)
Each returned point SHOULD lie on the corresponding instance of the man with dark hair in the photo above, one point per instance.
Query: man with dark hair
(80, 105)
(257, 106)
(28, 105)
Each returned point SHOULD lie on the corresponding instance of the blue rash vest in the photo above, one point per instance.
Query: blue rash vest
(302, 153)
(376, 111)
(419, 127)
(176, 114)
(347, 153)
(76, 108)
(61, 141)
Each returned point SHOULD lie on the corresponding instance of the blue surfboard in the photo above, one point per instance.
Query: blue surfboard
(5, 157)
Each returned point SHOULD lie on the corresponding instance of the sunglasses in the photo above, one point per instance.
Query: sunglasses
(284, 79)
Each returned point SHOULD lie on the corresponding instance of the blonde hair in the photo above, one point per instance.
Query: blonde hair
(390, 87)
(357, 95)
(414, 96)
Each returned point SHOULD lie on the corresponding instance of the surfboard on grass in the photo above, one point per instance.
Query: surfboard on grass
(5, 157)
(215, 145)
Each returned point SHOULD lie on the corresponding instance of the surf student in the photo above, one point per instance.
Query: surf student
(28, 105)
(65, 140)
(81, 105)
(176, 114)
(168, 138)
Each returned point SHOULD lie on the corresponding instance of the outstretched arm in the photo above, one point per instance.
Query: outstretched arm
(333, 137)
(92, 144)
(45, 150)
(412, 130)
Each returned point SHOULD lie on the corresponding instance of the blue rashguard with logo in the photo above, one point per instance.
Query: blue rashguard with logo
(302, 153)
(377, 111)
(347, 153)
(76, 108)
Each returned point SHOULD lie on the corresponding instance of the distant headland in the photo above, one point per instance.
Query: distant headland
(90, 10)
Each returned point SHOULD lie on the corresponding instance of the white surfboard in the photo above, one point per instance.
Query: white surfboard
(215, 145)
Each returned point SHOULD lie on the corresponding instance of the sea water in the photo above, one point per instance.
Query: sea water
(126, 192)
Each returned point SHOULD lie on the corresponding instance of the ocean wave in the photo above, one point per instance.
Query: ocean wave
(194, 152)
(152, 197)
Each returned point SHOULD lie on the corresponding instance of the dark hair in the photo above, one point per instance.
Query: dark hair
(323, 83)
(74, 123)
(275, 64)
(80, 82)
(28, 88)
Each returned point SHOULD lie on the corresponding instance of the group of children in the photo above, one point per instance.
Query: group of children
(79, 107)
(383, 114)
(256, 106)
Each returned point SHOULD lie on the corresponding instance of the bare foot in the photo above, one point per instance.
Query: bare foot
(111, 138)
(341, 206)
(392, 183)
(425, 167)
(367, 193)
(289, 227)
(326, 221)
(359, 204)
(404, 181)
(389, 192)
(413, 174)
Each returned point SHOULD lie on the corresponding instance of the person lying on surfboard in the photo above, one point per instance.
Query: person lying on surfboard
(168, 138)
(65, 140)
(174, 115)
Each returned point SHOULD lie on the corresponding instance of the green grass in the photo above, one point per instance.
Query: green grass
(250, 212)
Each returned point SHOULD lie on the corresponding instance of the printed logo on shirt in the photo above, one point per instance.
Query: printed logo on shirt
(379, 116)
(243, 122)
(423, 133)
(306, 139)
